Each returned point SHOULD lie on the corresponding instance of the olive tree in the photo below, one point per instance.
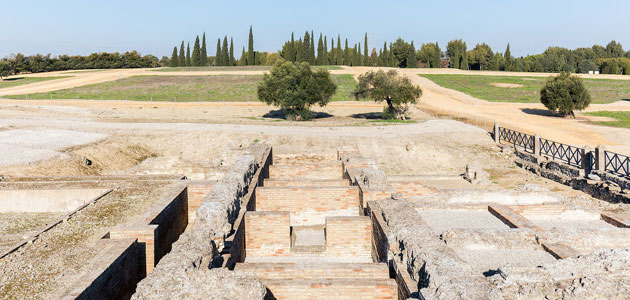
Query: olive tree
(564, 94)
(397, 91)
(5, 69)
(295, 88)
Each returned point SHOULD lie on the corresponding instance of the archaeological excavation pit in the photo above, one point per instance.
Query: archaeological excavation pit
(307, 238)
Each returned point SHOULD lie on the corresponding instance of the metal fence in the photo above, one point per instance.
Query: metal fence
(616, 163)
(562, 152)
(518, 139)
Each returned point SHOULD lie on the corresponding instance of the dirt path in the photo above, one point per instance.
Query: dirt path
(528, 117)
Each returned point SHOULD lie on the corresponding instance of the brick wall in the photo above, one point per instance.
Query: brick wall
(308, 183)
(112, 274)
(330, 170)
(172, 222)
(411, 188)
(267, 233)
(197, 191)
(146, 236)
(161, 230)
(349, 237)
(339, 289)
(313, 271)
(367, 195)
(292, 159)
(309, 205)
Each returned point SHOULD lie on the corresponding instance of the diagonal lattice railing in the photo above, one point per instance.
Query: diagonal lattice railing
(516, 138)
(559, 151)
(616, 163)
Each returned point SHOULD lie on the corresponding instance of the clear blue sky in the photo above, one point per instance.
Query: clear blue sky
(153, 27)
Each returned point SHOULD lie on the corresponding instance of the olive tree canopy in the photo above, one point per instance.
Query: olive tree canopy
(396, 90)
(564, 94)
(295, 88)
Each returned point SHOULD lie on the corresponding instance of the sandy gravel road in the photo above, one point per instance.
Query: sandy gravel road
(528, 117)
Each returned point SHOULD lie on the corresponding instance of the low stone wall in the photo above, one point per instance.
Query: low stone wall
(603, 189)
(201, 248)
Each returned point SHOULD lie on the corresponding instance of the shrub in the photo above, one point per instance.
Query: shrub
(295, 88)
(564, 94)
(395, 90)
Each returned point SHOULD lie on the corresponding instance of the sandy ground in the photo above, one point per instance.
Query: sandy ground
(527, 117)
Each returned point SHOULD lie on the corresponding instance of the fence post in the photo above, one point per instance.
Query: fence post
(537, 147)
(601, 158)
(495, 133)
(587, 153)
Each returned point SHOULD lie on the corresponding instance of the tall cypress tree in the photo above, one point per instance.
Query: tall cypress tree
(174, 59)
(320, 51)
(312, 54)
(242, 61)
(251, 59)
(339, 53)
(366, 58)
(291, 49)
(391, 56)
(306, 47)
(204, 51)
(346, 55)
(196, 54)
(188, 60)
(218, 60)
(333, 52)
(182, 56)
(326, 60)
(225, 56)
(232, 60)
(385, 56)
(412, 62)
(355, 56)
(358, 56)
(508, 58)
(299, 54)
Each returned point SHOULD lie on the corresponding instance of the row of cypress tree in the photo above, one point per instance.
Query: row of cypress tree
(224, 55)
(303, 50)
(199, 56)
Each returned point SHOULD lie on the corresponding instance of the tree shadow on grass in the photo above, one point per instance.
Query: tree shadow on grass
(368, 116)
(12, 79)
(540, 112)
(279, 114)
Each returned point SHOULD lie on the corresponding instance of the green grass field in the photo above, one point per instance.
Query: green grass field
(242, 68)
(180, 88)
(601, 90)
(11, 82)
(622, 118)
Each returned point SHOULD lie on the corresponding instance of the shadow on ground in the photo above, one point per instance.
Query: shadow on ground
(279, 114)
(368, 116)
(12, 79)
(540, 112)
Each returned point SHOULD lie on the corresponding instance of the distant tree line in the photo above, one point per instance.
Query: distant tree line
(19, 63)
(611, 59)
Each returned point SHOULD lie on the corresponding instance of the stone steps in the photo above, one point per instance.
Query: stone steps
(316, 270)
(339, 289)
